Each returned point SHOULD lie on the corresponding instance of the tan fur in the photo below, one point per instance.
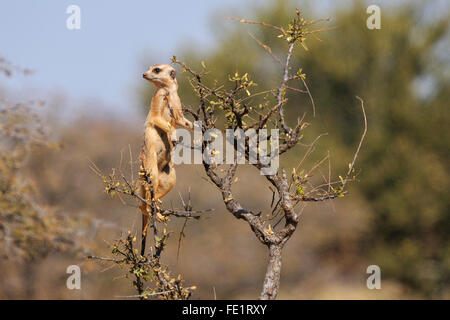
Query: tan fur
(165, 114)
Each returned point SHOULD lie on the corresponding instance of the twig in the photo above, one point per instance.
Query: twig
(146, 294)
(265, 47)
(259, 23)
(104, 259)
(359, 145)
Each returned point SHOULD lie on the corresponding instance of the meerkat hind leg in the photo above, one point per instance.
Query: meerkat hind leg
(167, 179)
(150, 165)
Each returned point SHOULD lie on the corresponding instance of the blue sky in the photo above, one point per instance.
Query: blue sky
(104, 59)
(103, 62)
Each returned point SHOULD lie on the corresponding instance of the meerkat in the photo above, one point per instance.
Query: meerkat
(165, 114)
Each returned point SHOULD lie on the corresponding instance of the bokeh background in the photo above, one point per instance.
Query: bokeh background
(94, 103)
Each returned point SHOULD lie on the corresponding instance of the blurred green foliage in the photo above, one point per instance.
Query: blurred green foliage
(401, 74)
(28, 230)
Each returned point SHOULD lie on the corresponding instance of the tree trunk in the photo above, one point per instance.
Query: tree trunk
(272, 279)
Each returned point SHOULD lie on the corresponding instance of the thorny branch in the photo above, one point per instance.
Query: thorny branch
(148, 268)
(145, 268)
(290, 192)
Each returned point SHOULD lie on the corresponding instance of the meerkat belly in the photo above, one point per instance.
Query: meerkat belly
(167, 112)
(160, 142)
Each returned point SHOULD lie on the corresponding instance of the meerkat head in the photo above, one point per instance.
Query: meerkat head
(161, 75)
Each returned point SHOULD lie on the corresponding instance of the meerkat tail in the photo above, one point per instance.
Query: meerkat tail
(144, 233)
(145, 221)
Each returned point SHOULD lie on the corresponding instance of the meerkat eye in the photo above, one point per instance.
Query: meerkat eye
(157, 70)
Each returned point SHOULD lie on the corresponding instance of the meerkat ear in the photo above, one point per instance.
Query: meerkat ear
(173, 74)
